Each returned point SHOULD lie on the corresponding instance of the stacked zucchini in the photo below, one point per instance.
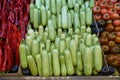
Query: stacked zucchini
(61, 42)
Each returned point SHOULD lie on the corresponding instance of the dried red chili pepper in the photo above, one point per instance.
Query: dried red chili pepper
(1, 58)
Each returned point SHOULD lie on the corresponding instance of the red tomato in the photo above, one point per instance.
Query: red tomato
(103, 4)
(97, 16)
(104, 11)
(112, 10)
(96, 3)
(118, 34)
(117, 29)
(116, 22)
(117, 6)
(96, 9)
(106, 16)
(109, 5)
(115, 16)
(113, 1)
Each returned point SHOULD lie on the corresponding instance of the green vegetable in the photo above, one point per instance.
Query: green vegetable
(28, 41)
(45, 64)
(54, 21)
(70, 31)
(63, 2)
(91, 3)
(59, 25)
(50, 63)
(39, 64)
(79, 73)
(32, 11)
(48, 14)
(64, 17)
(59, 32)
(45, 36)
(23, 55)
(68, 61)
(83, 30)
(88, 16)
(63, 66)
(28, 50)
(72, 16)
(76, 20)
(57, 42)
(70, 4)
(67, 41)
(59, 6)
(42, 45)
(82, 18)
(53, 6)
(48, 44)
(43, 16)
(80, 2)
(56, 62)
(36, 18)
(62, 44)
(69, 20)
(76, 8)
(47, 4)
(38, 3)
(89, 39)
(32, 65)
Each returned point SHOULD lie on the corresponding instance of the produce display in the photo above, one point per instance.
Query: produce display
(107, 15)
(14, 17)
(59, 40)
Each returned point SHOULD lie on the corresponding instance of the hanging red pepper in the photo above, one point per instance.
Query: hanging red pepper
(1, 59)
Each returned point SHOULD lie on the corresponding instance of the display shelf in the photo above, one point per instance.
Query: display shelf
(63, 78)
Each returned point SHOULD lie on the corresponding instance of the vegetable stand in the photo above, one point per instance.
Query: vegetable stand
(60, 39)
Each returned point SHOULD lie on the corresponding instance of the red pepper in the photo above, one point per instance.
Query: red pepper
(1, 59)
(3, 28)
(11, 17)
(17, 58)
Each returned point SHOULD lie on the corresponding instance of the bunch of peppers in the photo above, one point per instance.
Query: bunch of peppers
(14, 16)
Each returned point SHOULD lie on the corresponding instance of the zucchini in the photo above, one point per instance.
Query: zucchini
(59, 32)
(31, 32)
(68, 61)
(42, 45)
(28, 50)
(88, 16)
(59, 6)
(63, 66)
(62, 44)
(53, 6)
(32, 65)
(77, 31)
(88, 30)
(79, 73)
(72, 16)
(51, 30)
(23, 55)
(50, 63)
(83, 30)
(63, 2)
(67, 41)
(38, 3)
(76, 40)
(36, 18)
(89, 39)
(45, 36)
(91, 3)
(82, 18)
(54, 21)
(59, 21)
(69, 20)
(76, 8)
(48, 44)
(98, 58)
(57, 42)
(32, 11)
(47, 4)
(70, 31)
(64, 17)
(39, 64)
(41, 30)
(80, 2)
(76, 20)
(48, 14)
(87, 61)
(55, 60)
(73, 51)
(45, 63)
(70, 4)
(43, 16)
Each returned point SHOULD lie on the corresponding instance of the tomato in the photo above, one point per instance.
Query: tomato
(97, 17)
(106, 16)
(104, 34)
(117, 29)
(109, 27)
(106, 48)
(112, 10)
(103, 4)
(113, 1)
(109, 21)
(109, 5)
(96, 9)
(104, 11)
(118, 34)
(117, 40)
(116, 22)
(117, 6)
(114, 16)
(96, 3)
(112, 36)
(111, 43)
(115, 49)
(103, 40)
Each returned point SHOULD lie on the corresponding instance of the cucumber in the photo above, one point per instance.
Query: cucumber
(80, 2)
(69, 20)
(45, 36)
(52, 46)
(98, 58)
(42, 45)
(48, 44)
(79, 61)
(64, 17)
(55, 60)
(32, 11)
(45, 64)
(43, 16)
(35, 48)
(67, 41)
(59, 32)
(63, 2)
(87, 61)
(48, 14)
(74, 2)
(76, 8)
(51, 30)
(46, 29)
(54, 21)
(39, 64)
(41, 30)
(28, 50)
(43, 2)
(87, 4)
(57, 42)
(36, 18)
(76, 20)
(88, 30)
(79, 73)
(91, 3)
(76, 40)
(50, 63)
(63, 66)
(70, 31)
(82, 49)
(77, 31)
(92, 57)
(32, 65)
(88, 16)
(38, 3)
(62, 44)
(82, 18)
(47, 4)
(70, 4)
(73, 51)
(95, 72)
(31, 32)
(84, 37)
(72, 16)
(59, 6)
(59, 21)
(53, 6)
(23, 55)
(68, 61)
